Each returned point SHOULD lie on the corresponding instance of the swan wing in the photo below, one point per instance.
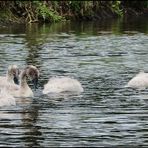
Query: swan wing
(139, 81)
(6, 99)
(62, 84)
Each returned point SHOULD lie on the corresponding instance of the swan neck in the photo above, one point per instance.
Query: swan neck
(23, 82)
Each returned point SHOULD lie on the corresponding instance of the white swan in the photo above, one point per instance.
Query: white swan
(10, 81)
(24, 90)
(62, 84)
(140, 81)
(6, 99)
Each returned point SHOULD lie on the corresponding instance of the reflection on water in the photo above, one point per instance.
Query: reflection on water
(103, 56)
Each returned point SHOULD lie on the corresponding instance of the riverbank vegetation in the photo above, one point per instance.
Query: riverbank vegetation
(54, 11)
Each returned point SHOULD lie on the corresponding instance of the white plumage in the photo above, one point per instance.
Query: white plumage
(24, 89)
(62, 84)
(8, 80)
(6, 99)
(140, 81)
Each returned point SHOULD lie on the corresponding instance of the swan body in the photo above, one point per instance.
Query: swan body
(62, 84)
(10, 81)
(24, 89)
(140, 81)
(6, 99)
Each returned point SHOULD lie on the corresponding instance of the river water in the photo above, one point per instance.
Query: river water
(103, 56)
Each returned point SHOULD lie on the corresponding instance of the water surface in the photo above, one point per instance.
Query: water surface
(103, 56)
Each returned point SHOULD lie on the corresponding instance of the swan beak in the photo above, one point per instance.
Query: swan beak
(35, 83)
(16, 80)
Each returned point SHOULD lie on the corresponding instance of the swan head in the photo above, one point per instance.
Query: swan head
(33, 74)
(13, 72)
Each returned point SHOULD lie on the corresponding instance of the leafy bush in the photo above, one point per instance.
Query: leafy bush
(116, 7)
(47, 14)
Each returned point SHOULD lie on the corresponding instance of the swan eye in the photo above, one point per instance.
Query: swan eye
(32, 73)
(16, 72)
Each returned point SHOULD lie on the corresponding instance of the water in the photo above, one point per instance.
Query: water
(103, 56)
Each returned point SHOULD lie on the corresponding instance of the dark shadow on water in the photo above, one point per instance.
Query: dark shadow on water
(35, 31)
(32, 134)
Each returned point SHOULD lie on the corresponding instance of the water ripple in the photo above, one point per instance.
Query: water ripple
(105, 114)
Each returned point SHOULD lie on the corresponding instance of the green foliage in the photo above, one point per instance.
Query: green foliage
(75, 5)
(145, 4)
(46, 13)
(116, 7)
(54, 11)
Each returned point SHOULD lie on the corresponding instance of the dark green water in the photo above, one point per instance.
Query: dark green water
(103, 56)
